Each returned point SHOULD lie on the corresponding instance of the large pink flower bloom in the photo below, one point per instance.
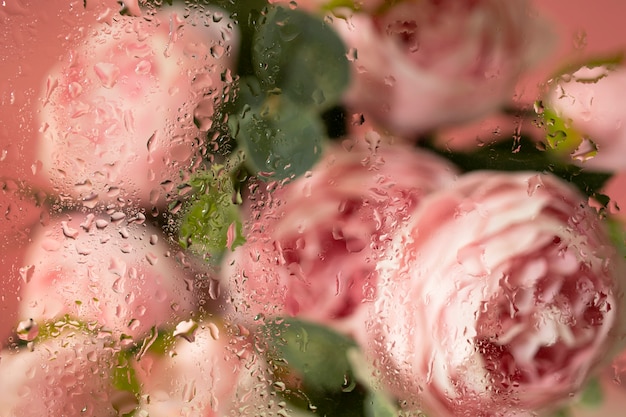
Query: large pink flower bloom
(200, 375)
(109, 271)
(313, 244)
(498, 297)
(419, 65)
(119, 112)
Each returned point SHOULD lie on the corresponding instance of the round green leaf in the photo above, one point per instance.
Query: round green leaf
(302, 57)
(314, 352)
(280, 138)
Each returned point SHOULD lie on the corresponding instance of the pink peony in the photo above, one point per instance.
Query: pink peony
(313, 244)
(119, 112)
(419, 65)
(68, 375)
(498, 297)
(111, 271)
(589, 102)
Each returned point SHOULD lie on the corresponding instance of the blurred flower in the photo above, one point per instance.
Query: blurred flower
(498, 297)
(591, 125)
(119, 112)
(419, 65)
(313, 243)
(69, 375)
(207, 372)
(105, 271)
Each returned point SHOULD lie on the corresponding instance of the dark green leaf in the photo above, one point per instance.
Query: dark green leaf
(302, 57)
(377, 405)
(315, 353)
(280, 138)
(525, 155)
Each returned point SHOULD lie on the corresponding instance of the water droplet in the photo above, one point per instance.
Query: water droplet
(117, 217)
(74, 89)
(107, 73)
(143, 67)
(214, 289)
(27, 330)
(101, 224)
(214, 331)
(189, 391)
(152, 258)
(585, 151)
(26, 273)
(534, 183)
(68, 231)
(187, 330)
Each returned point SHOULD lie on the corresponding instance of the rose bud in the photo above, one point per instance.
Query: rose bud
(420, 65)
(119, 113)
(70, 374)
(110, 271)
(498, 297)
(200, 374)
(312, 244)
(590, 124)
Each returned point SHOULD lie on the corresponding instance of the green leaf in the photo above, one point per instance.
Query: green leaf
(280, 138)
(211, 223)
(124, 377)
(316, 354)
(302, 57)
(377, 405)
(124, 380)
(563, 412)
(592, 395)
(617, 235)
(525, 155)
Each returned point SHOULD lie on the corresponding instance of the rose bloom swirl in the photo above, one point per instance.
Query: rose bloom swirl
(118, 276)
(418, 65)
(499, 297)
(119, 112)
(313, 243)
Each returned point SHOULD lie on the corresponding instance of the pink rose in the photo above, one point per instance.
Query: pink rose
(200, 375)
(499, 296)
(313, 244)
(419, 65)
(112, 271)
(589, 102)
(68, 375)
(118, 114)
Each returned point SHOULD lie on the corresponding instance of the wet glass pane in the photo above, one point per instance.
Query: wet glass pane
(341, 208)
